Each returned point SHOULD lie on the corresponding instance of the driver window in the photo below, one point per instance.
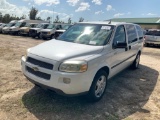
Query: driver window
(120, 34)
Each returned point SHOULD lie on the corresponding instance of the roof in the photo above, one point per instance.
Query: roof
(103, 22)
(138, 20)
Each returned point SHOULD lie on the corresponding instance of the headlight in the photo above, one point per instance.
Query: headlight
(26, 53)
(73, 66)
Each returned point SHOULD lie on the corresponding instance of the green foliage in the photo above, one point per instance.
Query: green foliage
(57, 19)
(7, 18)
(81, 19)
(32, 14)
(69, 20)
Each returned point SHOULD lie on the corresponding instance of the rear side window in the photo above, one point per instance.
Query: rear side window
(131, 32)
(140, 32)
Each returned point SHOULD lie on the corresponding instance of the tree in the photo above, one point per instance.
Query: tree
(57, 19)
(69, 20)
(6, 18)
(49, 19)
(38, 18)
(33, 12)
(1, 16)
(81, 19)
(23, 17)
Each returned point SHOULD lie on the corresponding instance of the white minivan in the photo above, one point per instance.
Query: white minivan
(84, 57)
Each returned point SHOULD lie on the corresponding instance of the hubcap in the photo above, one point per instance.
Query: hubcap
(100, 86)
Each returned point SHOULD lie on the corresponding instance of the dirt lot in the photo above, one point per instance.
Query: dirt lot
(131, 95)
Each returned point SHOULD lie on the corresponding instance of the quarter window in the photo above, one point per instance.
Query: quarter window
(140, 32)
(131, 32)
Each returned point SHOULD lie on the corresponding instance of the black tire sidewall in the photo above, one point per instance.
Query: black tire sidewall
(91, 95)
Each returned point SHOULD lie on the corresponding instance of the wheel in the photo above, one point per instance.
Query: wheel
(44, 38)
(39, 36)
(18, 33)
(52, 36)
(136, 62)
(98, 86)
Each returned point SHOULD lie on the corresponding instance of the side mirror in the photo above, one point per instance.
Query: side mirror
(120, 44)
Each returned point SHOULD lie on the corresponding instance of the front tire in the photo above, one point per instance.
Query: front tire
(98, 86)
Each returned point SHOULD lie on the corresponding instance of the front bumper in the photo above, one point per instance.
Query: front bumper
(5, 31)
(46, 35)
(13, 32)
(24, 32)
(79, 82)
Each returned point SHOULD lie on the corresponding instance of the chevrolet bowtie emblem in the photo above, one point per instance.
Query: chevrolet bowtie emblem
(35, 68)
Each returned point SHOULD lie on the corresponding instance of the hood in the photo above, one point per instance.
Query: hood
(46, 30)
(22, 28)
(5, 28)
(13, 27)
(61, 50)
(60, 30)
(35, 28)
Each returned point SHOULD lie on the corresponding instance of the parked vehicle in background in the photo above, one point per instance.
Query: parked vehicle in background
(84, 57)
(21, 23)
(8, 26)
(25, 30)
(1, 27)
(1, 24)
(152, 37)
(64, 28)
(49, 32)
(36, 32)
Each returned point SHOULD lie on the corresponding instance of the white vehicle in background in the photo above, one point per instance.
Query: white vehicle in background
(25, 30)
(8, 26)
(152, 37)
(2, 26)
(84, 57)
(21, 23)
(49, 32)
(62, 30)
(36, 32)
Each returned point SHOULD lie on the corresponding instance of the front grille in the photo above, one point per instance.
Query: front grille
(57, 34)
(44, 32)
(40, 63)
(38, 73)
(32, 31)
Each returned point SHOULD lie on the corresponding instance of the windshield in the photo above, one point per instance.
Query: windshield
(10, 24)
(51, 26)
(18, 24)
(39, 26)
(89, 34)
(27, 25)
(65, 27)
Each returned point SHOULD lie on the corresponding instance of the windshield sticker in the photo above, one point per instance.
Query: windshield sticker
(92, 42)
(106, 27)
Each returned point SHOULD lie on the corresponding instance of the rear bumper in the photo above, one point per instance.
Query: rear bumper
(152, 42)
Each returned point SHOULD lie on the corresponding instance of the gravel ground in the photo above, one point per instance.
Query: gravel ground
(131, 95)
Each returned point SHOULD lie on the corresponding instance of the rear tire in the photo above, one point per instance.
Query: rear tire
(98, 86)
(135, 64)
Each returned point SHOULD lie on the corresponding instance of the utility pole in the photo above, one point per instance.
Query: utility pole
(53, 14)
